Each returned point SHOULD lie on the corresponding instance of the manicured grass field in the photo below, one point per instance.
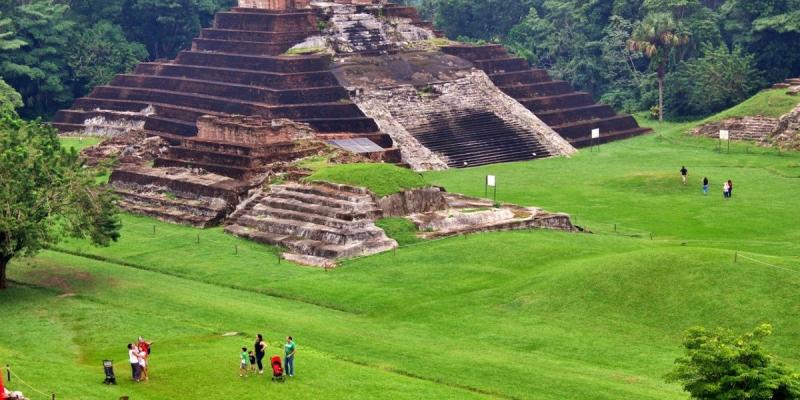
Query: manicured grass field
(514, 315)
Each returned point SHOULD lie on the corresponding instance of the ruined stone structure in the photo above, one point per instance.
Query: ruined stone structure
(571, 114)
(319, 221)
(275, 80)
(757, 129)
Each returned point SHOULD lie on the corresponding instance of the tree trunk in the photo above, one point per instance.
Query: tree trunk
(662, 72)
(660, 99)
(4, 260)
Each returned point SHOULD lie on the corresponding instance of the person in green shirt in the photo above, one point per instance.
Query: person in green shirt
(290, 348)
(243, 362)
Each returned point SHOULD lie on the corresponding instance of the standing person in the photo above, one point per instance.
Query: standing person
(133, 357)
(243, 357)
(726, 188)
(705, 186)
(290, 348)
(252, 357)
(684, 174)
(261, 351)
(730, 188)
(143, 375)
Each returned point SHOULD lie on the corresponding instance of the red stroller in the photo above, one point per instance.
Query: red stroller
(277, 368)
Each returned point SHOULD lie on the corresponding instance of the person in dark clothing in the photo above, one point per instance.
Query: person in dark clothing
(261, 351)
(705, 186)
(684, 174)
(730, 188)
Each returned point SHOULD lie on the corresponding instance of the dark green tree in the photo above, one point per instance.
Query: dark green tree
(38, 70)
(485, 19)
(46, 194)
(720, 365)
(709, 84)
(99, 53)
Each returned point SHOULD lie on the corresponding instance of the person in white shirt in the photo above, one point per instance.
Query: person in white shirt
(133, 357)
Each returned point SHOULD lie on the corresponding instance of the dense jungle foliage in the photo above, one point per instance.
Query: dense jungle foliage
(711, 54)
(706, 55)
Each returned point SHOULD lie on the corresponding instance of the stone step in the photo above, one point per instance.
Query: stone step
(210, 208)
(308, 230)
(168, 215)
(331, 190)
(311, 198)
(310, 208)
(260, 210)
(312, 247)
(258, 78)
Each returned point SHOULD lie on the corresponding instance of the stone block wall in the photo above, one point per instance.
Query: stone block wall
(274, 4)
(251, 130)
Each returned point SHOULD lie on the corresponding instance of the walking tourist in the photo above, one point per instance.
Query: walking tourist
(705, 186)
(730, 188)
(243, 358)
(684, 174)
(290, 348)
(133, 357)
(261, 351)
(726, 190)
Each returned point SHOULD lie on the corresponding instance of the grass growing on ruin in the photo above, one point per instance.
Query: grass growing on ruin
(769, 103)
(79, 143)
(534, 314)
(382, 179)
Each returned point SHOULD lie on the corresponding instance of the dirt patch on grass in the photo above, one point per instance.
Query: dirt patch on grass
(67, 281)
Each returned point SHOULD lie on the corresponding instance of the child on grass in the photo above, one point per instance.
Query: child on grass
(252, 361)
(243, 362)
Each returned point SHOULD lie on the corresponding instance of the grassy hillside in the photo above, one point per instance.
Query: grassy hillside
(516, 315)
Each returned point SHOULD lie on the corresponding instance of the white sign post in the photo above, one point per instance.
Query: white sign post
(726, 136)
(595, 138)
(491, 181)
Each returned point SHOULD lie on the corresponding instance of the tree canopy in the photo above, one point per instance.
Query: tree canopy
(720, 365)
(46, 194)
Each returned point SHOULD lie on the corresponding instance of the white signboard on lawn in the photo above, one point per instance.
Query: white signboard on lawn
(491, 180)
(724, 135)
(595, 133)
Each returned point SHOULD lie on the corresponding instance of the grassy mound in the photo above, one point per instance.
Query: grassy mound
(382, 179)
(532, 314)
(769, 103)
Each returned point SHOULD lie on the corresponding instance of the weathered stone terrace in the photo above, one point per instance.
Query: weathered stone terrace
(572, 114)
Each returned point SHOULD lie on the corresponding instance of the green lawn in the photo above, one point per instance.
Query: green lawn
(514, 315)
(79, 143)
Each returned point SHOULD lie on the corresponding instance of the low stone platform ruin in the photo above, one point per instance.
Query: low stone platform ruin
(465, 215)
(177, 195)
(313, 222)
(757, 129)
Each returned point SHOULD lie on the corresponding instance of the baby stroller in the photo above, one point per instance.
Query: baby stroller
(277, 368)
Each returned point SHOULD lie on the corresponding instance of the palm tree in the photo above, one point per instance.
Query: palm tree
(655, 37)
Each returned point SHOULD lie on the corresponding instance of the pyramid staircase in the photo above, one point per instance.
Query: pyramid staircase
(572, 114)
(321, 220)
(235, 67)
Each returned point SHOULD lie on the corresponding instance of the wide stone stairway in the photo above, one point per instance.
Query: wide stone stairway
(473, 138)
(572, 114)
(321, 220)
(235, 67)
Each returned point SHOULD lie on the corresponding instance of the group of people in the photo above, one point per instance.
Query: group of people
(255, 358)
(139, 356)
(727, 187)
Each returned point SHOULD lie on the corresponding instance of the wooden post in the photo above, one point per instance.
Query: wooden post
(736, 257)
(198, 238)
(236, 249)
(154, 229)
